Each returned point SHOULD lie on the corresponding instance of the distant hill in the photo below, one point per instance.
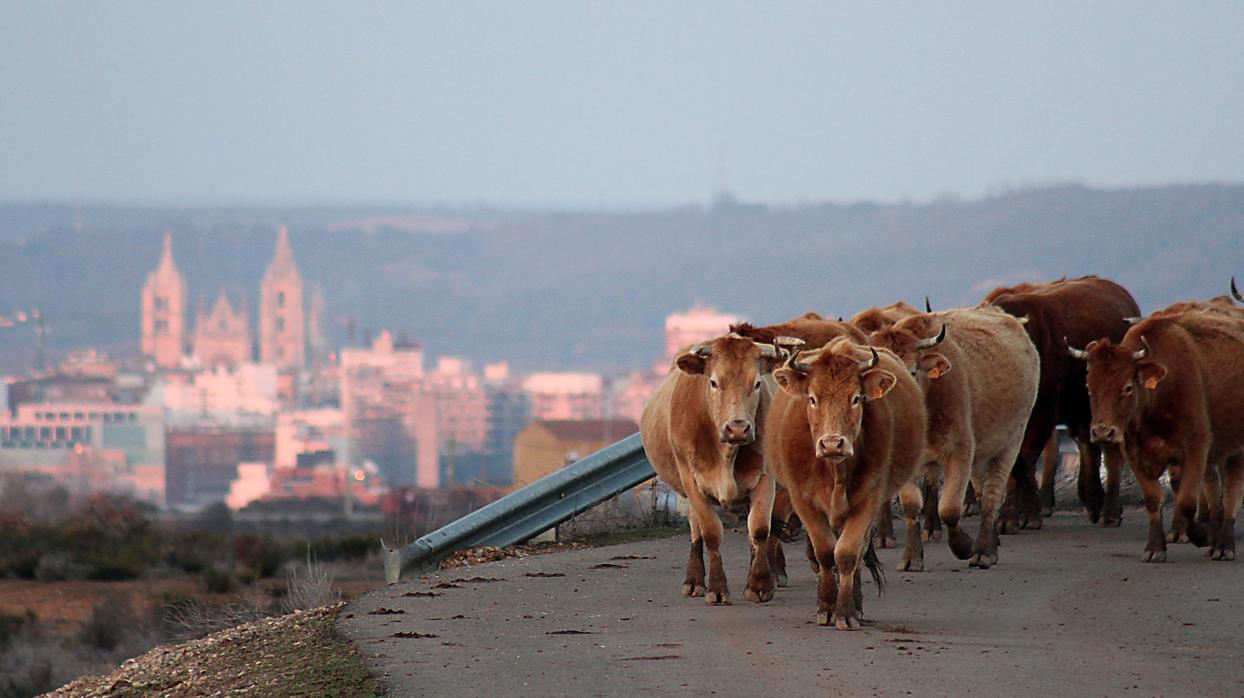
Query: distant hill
(591, 290)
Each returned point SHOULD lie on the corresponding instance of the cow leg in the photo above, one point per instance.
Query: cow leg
(1111, 509)
(957, 468)
(1189, 494)
(885, 526)
(993, 489)
(913, 555)
(1050, 458)
(694, 583)
(760, 580)
(718, 593)
(813, 561)
(1234, 488)
(777, 560)
(1179, 527)
(1155, 549)
(1088, 485)
(932, 523)
(971, 505)
(1029, 497)
(847, 554)
(1209, 509)
(821, 544)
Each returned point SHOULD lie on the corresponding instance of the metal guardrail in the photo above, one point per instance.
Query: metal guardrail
(528, 512)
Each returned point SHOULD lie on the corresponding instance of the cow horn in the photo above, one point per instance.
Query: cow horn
(703, 350)
(1132, 319)
(872, 362)
(1075, 353)
(932, 341)
(767, 351)
(927, 308)
(1143, 352)
(788, 345)
(1235, 292)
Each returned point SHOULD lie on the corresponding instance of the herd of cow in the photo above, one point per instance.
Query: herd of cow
(820, 423)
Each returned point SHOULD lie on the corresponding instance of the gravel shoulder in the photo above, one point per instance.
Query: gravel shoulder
(1068, 609)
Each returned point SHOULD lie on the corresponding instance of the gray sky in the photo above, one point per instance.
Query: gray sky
(610, 104)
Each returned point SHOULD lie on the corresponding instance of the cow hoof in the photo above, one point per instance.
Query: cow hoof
(1176, 537)
(981, 561)
(1153, 556)
(885, 542)
(814, 566)
(1008, 527)
(717, 598)
(1111, 521)
(782, 580)
(1223, 554)
(822, 618)
(933, 534)
(1030, 523)
(1047, 511)
(693, 589)
(848, 623)
(916, 565)
(758, 595)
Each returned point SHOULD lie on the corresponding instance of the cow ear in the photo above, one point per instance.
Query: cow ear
(1150, 374)
(690, 363)
(792, 381)
(877, 383)
(1091, 345)
(935, 365)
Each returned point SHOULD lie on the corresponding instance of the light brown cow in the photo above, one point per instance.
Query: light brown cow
(979, 373)
(1171, 393)
(702, 432)
(845, 433)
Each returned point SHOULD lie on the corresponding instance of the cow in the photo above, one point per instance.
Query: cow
(702, 431)
(978, 371)
(843, 435)
(1171, 394)
(1081, 310)
(873, 319)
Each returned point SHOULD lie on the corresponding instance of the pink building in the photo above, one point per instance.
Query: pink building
(164, 311)
(695, 325)
(556, 395)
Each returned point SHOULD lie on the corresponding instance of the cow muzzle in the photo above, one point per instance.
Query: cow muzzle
(737, 432)
(1102, 433)
(834, 447)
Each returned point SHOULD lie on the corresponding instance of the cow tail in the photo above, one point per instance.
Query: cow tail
(874, 566)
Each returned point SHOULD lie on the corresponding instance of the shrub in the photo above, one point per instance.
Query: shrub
(263, 556)
(11, 624)
(52, 567)
(218, 580)
(309, 586)
(110, 620)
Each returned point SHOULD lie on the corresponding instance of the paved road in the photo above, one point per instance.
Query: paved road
(1069, 610)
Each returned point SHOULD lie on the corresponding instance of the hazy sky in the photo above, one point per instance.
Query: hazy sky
(615, 104)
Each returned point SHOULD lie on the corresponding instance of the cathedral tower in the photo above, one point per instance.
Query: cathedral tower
(222, 337)
(282, 332)
(164, 311)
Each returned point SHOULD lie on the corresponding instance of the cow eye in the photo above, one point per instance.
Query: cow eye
(1127, 389)
(712, 383)
(757, 386)
(855, 400)
(812, 399)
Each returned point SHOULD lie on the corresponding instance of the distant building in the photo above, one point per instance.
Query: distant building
(461, 407)
(311, 431)
(546, 446)
(222, 337)
(629, 393)
(201, 462)
(509, 411)
(695, 325)
(282, 331)
(164, 311)
(244, 393)
(88, 446)
(573, 396)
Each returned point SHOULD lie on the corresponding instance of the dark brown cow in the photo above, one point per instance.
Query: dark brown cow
(979, 372)
(845, 433)
(702, 432)
(1171, 393)
(1080, 310)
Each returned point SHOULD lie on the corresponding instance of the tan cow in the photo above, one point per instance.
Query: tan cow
(845, 433)
(1171, 393)
(702, 432)
(979, 372)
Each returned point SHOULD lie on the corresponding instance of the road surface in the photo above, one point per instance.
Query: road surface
(1069, 610)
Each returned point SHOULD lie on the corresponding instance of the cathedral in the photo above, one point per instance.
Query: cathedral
(222, 335)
